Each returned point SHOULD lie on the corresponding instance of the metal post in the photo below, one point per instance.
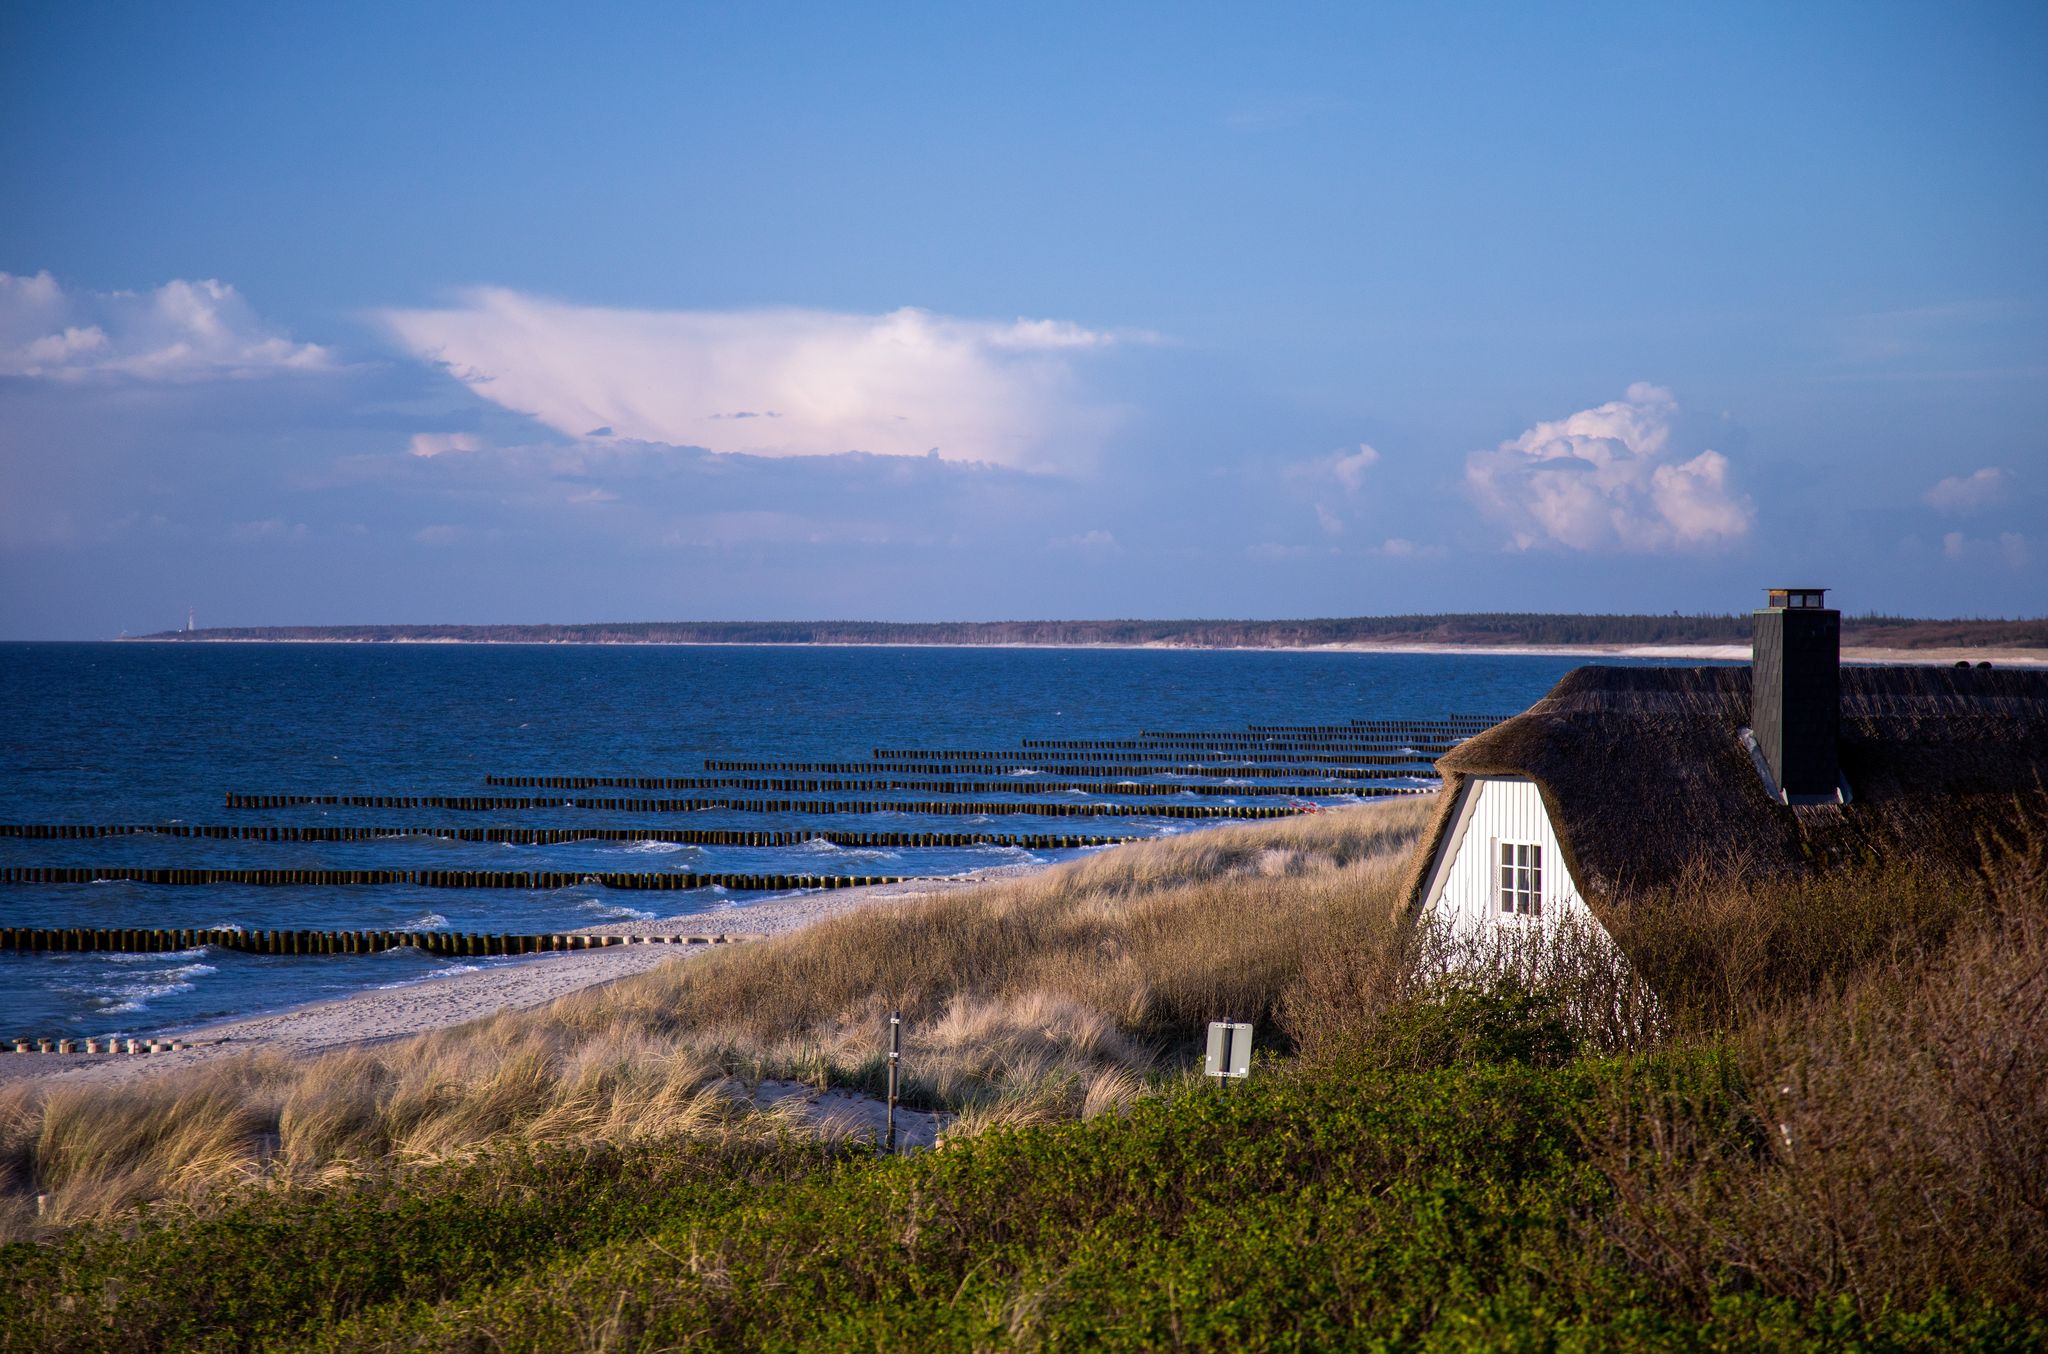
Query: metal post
(895, 1057)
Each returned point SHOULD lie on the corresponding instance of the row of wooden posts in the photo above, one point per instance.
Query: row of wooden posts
(1449, 723)
(1270, 768)
(1351, 740)
(550, 836)
(1178, 747)
(1104, 765)
(108, 1044)
(657, 880)
(171, 940)
(814, 806)
(831, 785)
(1166, 760)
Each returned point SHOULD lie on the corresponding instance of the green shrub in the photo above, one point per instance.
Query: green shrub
(1453, 1208)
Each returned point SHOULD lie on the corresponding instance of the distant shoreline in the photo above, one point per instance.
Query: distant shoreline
(1562, 633)
(1944, 655)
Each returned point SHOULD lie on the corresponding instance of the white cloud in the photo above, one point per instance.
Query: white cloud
(180, 332)
(1607, 479)
(1350, 470)
(1095, 540)
(771, 382)
(1346, 468)
(2010, 547)
(1330, 522)
(1967, 493)
(440, 444)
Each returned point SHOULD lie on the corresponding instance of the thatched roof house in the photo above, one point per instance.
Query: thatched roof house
(1626, 777)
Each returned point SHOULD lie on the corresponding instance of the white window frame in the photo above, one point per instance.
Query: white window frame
(1518, 879)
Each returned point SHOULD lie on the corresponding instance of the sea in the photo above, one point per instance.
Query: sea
(146, 734)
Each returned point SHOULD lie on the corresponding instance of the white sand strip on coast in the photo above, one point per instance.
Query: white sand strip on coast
(385, 1014)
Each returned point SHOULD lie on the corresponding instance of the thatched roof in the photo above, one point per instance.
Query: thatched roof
(1643, 772)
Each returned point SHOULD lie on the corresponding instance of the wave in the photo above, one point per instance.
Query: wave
(128, 998)
(1026, 771)
(449, 972)
(648, 848)
(598, 907)
(818, 846)
(1015, 854)
(156, 958)
(433, 921)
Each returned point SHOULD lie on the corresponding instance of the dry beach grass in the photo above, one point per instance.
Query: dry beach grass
(1054, 994)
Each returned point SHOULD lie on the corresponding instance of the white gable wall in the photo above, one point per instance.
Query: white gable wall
(1463, 880)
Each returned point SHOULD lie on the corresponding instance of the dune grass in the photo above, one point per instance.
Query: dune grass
(1782, 1114)
(1054, 995)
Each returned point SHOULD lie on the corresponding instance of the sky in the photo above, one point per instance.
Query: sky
(449, 313)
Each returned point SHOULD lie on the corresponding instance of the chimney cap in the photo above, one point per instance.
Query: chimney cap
(1797, 598)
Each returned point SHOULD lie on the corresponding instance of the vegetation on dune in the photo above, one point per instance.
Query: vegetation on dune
(1810, 1115)
(1047, 996)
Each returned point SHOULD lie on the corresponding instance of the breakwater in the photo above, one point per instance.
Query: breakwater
(444, 944)
(926, 785)
(699, 803)
(554, 836)
(662, 880)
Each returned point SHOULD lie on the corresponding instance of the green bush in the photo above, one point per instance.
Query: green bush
(1456, 1208)
(1496, 1020)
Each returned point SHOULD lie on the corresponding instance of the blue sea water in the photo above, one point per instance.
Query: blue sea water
(160, 733)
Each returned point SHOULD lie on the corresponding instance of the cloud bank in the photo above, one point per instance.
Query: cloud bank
(1607, 479)
(180, 332)
(771, 382)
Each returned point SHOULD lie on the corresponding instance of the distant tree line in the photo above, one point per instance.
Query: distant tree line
(1479, 630)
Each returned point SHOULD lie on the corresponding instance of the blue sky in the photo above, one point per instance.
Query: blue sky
(447, 313)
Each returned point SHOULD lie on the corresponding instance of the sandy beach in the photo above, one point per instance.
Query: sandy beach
(386, 1014)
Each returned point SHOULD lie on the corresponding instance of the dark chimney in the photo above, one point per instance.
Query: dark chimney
(1795, 701)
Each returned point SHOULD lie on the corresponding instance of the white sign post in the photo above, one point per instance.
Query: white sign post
(1230, 1051)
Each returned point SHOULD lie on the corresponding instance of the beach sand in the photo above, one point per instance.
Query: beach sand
(386, 1014)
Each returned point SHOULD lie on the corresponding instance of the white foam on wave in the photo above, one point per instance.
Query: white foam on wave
(158, 958)
(1010, 853)
(818, 846)
(648, 848)
(1026, 771)
(127, 998)
(450, 971)
(433, 921)
(599, 907)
